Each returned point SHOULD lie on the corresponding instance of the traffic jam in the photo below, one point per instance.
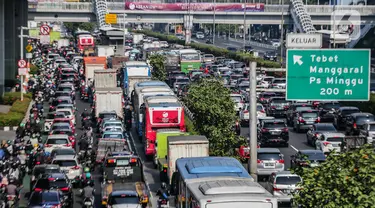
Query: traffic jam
(103, 133)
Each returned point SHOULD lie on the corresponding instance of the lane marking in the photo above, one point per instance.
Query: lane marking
(293, 148)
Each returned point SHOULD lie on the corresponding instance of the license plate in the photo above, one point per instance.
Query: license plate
(87, 203)
(275, 132)
(269, 165)
(309, 122)
(314, 164)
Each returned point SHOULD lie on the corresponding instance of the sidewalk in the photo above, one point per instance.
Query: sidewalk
(7, 135)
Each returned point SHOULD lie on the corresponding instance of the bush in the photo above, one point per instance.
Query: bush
(11, 119)
(18, 110)
(11, 97)
(33, 69)
(20, 106)
(238, 56)
(368, 106)
(190, 126)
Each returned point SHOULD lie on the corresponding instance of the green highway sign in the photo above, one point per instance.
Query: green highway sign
(328, 74)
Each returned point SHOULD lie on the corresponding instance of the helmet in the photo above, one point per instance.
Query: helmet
(11, 180)
(9, 142)
(85, 109)
(35, 145)
(86, 170)
(163, 185)
(22, 125)
(22, 140)
(39, 149)
(88, 175)
(90, 183)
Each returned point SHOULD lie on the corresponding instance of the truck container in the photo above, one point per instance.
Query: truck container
(136, 70)
(117, 61)
(137, 38)
(108, 99)
(104, 50)
(93, 63)
(105, 78)
(182, 147)
(133, 80)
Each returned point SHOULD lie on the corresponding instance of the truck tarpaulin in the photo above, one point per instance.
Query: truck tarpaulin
(169, 116)
(234, 7)
(118, 60)
(95, 60)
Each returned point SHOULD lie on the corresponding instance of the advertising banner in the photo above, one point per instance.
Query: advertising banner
(234, 7)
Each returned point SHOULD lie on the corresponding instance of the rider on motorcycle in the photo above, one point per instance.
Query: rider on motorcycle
(163, 192)
(88, 192)
(12, 189)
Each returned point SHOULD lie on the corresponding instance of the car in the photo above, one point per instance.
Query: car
(341, 114)
(70, 166)
(244, 114)
(283, 185)
(316, 130)
(307, 158)
(199, 35)
(208, 58)
(270, 160)
(328, 142)
(68, 113)
(305, 119)
(123, 199)
(48, 121)
(61, 151)
(113, 135)
(327, 111)
(278, 83)
(356, 121)
(273, 132)
(368, 131)
(66, 106)
(294, 108)
(110, 122)
(239, 101)
(56, 142)
(39, 170)
(60, 100)
(47, 198)
(105, 114)
(71, 135)
(61, 126)
(277, 107)
(271, 56)
(114, 128)
(59, 119)
(265, 96)
(55, 181)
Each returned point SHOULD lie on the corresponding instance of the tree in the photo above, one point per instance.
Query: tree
(74, 26)
(214, 114)
(158, 67)
(344, 180)
(88, 26)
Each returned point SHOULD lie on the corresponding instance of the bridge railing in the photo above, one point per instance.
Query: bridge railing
(61, 7)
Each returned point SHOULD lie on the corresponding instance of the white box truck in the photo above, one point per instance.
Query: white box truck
(63, 43)
(108, 99)
(137, 38)
(105, 78)
(185, 146)
(105, 50)
(90, 69)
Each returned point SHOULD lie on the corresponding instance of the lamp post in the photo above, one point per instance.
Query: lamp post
(214, 25)
(282, 33)
(21, 36)
(244, 24)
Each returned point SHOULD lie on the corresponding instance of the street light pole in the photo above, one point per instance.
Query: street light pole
(244, 24)
(282, 33)
(21, 56)
(334, 26)
(214, 26)
(252, 163)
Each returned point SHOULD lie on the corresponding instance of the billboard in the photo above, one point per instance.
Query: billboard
(234, 7)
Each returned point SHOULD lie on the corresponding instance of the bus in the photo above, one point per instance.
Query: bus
(85, 41)
(138, 101)
(190, 59)
(329, 38)
(226, 192)
(146, 84)
(193, 168)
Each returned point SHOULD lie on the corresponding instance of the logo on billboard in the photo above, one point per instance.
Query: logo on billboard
(165, 115)
(131, 6)
(165, 118)
(351, 25)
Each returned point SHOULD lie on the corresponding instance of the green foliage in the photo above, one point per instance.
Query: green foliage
(214, 114)
(158, 69)
(17, 112)
(11, 119)
(368, 106)
(10, 97)
(73, 26)
(33, 69)
(20, 106)
(238, 56)
(190, 126)
(344, 180)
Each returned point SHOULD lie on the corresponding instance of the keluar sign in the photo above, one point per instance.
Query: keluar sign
(234, 7)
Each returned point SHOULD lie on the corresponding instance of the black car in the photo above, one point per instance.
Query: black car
(232, 49)
(273, 132)
(43, 169)
(47, 198)
(271, 56)
(307, 158)
(327, 111)
(316, 130)
(340, 115)
(277, 107)
(55, 181)
(355, 122)
(294, 108)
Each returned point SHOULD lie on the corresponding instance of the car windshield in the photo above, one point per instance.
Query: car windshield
(372, 127)
(348, 112)
(335, 139)
(236, 99)
(268, 95)
(123, 199)
(113, 136)
(65, 163)
(43, 170)
(43, 197)
(315, 156)
(65, 89)
(330, 106)
(324, 128)
(57, 141)
(67, 113)
(64, 151)
(309, 115)
(279, 101)
(190, 57)
(51, 183)
(270, 125)
(112, 124)
(58, 127)
(287, 180)
(269, 156)
(363, 119)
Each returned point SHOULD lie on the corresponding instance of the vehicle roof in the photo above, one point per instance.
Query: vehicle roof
(361, 114)
(164, 105)
(55, 175)
(348, 108)
(278, 97)
(128, 193)
(268, 150)
(63, 98)
(58, 136)
(274, 121)
(285, 173)
(65, 157)
(47, 166)
(333, 134)
(308, 111)
(66, 104)
(302, 104)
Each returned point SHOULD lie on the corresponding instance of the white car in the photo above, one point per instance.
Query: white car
(245, 116)
(68, 113)
(238, 100)
(199, 35)
(330, 141)
(70, 166)
(57, 141)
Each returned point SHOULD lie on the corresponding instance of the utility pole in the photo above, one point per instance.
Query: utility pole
(21, 56)
(282, 34)
(253, 142)
(334, 26)
(124, 36)
(244, 24)
(214, 26)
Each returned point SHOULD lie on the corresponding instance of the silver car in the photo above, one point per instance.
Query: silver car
(368, 131)
(329, 142)
(270, 160)
(283, 184)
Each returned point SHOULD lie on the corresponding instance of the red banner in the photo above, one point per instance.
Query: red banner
(144, 6)
(169, 116)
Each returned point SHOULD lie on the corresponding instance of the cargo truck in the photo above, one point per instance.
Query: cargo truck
(137, 38)
(93, 63)
(134, 71)
(118, 61)
(63, 43)
(182, 147)
(104, 50)
(105, 78)
(109, 99)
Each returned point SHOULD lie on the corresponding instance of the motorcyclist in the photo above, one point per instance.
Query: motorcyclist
(86, 123)
(85, 114)
(29, 147)
(88, 191)
(11, 188)
(86, 176)
(14, 172)
(83, 145)
(88, 134)
(163, 192)
(128, 117)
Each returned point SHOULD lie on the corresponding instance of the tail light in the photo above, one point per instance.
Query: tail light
(286, 107)
(355, 125)
(48, 145)
(281, 161)
(37, 189)
(50, 106)
(264, 130)
(246, 111)
(38, 163)
(318, 119)
(67, 145)
(262, 99)
(56, 206)
(259, 161)
(300, 119)
(75, 167)
(65, 189)
(285, 129)
(273, 107)
(326, 143)
(262, 111)
(276, 189)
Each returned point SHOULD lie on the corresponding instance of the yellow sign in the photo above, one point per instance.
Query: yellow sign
(29, 48)
(111, 18)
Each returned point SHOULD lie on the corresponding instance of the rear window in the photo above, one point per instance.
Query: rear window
(50, 116)
(43, 170)
(50, 183)
(69, 133)
(331, 106)
(310, 115)
(123, 199)
(67, 76)
(335, 139)
(112, 124)
(348, 112)
(259, 107)
(43, 197)
(67, 113)
(316, 156)
(279, 100)
(57, 141)
(363, 119)
(60, 127)
(325, 128)
(63, 151)
(65, 163)
(287, 180)
(274, 125)
(302, 108)
(113, 136)
(279, 81)
(65, 89)
(269, 156)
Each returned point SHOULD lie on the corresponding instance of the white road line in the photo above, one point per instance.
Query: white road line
(293, 148)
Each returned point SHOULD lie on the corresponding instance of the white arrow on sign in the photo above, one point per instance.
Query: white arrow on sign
(297, 59)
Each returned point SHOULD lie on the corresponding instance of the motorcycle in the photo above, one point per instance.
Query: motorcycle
(11, 202)
(88, 203)
(163, 203)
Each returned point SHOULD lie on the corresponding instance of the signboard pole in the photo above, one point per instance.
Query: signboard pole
(21, 58)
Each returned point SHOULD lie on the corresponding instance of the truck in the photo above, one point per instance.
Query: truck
(137, 38)
(85, 41)
(117, 61)
(182, 146)
(109, 99)
(104, 50)
(134, 71)
(105, 146)
(105, 78)
(63, 43)
(93, 63)
(123, 178)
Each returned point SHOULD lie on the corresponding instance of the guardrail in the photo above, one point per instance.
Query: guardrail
(270, 90)
(62, 7)
(254, 44)
(189, 114)
(271, 69)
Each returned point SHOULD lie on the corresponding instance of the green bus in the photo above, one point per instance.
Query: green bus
(190, 59)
